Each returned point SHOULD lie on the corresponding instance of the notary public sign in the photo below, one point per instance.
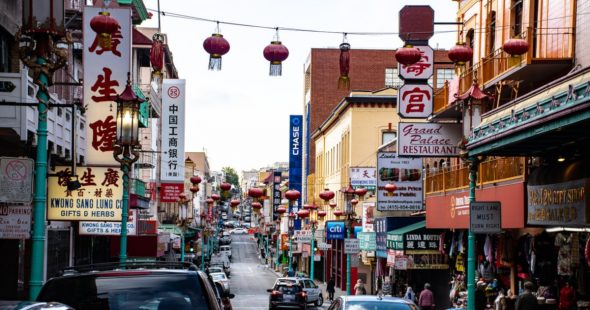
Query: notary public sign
(428, 139)
(98, 199)
(415, 100)
(16, 180)
(485, 217)
(351, 246)
(15, 222)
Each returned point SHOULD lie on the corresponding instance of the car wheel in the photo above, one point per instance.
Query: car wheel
(304, 306)
(320, 301)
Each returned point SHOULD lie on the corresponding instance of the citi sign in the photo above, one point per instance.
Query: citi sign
(335, 230)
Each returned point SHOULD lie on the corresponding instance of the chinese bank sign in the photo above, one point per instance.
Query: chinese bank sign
(99, 198)
(173, 97)
(295, 153)
(335, 230)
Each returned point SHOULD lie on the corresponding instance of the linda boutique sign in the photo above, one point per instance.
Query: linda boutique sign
(558, 204)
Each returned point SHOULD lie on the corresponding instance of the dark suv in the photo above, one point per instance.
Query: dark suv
(153, 285)
(287, 294)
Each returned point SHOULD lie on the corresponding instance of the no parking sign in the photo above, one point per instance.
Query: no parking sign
(16, 179)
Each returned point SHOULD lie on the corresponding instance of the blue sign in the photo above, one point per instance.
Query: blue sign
(357, 229)
(384, 224)
(296, 157)
(335, 230)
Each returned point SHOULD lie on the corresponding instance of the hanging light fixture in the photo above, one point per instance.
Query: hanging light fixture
(225, 186)
(157, 54)
(216, 46)
(516, 47)
(408, 55)
(460, 54)
(344, 79)
(276, 53)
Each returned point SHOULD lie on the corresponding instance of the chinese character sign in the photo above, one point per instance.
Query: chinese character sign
(415, 100)
(173, 97)
(99, 198)
(363, 177)
(423, 69)
(105, 76)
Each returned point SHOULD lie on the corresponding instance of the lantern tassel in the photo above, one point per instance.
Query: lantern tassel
(276, 69)
(215, 63)
(343, 82)
(104, 41)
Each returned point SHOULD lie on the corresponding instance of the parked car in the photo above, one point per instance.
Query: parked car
(237, 231)
(287, 294)
(221, 278)
(222, 261)
(226, 249)
(142, 285)
(223, 296)
(214, 269)
(32, 305)
(224, 241)
(314, 292)
(371, 302)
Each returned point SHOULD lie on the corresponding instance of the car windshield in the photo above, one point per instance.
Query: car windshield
(218, 276)
(288, 289)
(145, 292)
(378, 305)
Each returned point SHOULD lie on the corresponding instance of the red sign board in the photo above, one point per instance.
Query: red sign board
(169, 191)
(416, 23)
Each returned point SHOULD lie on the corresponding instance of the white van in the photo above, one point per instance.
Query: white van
(225, 249)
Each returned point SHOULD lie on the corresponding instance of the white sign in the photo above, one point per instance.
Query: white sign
(363, 177)
(423, 69)
(109, 228)
(428, 139)
(303, 235)
(173, 109)
(368, 216)
(105, 76)
(401, 263)
(15, 222)
(317, 257)
(324, 246)
(351, 246)
(485, 217)
(415, 101)
(16, 180)
(406, 175)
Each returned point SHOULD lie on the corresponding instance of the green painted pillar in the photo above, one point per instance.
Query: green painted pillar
(350, 233)
(40, 196)
(312, 261)
(473, 164)
(266, 257)
(290, 254)
(202, 251)
(182, 246)
(124, 213)
(278, 251)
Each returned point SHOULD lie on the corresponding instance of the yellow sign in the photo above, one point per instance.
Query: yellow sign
(98, 199)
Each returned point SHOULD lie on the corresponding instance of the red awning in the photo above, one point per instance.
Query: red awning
(474, 92)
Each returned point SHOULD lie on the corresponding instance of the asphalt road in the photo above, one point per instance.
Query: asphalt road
(249, 278)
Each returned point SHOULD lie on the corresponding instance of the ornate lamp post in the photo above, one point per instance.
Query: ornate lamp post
(43, 48)
(326, 196)
(350, 202)
(210, 202)
(291, 224)
(126, 151)
(195, 181)
(182, 220)
(281, 211)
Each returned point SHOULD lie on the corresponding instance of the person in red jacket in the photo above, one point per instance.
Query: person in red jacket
(567, 297)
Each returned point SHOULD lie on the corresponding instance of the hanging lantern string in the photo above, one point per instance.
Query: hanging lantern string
(344, 37)
(217, 30)
(276, 38)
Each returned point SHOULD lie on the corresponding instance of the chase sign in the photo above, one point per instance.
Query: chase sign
(335, 230)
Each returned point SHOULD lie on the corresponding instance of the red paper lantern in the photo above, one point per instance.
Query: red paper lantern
(516, 46)
(194, 189)
(157, 54)
(361, 192)
(307, 206)
(209, 200)
(276, 53)
(292, 195)
(215, 197)
(196, 179)
(332, 205)
(344, 80)
(216, 46)
(281, 210)
(256, 205)
(338, 212)
(326, 195)
(234, 203)
(203, 215)
(408, 55)
(390, 187)
(105, 26)
(303, 213)
(354, 202)
(255, 192)
(460, 54)
(292, 215)
(225, 186)
(322, 213)
(182, 196)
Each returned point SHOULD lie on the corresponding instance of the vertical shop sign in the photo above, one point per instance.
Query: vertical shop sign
(363, 177)
(421, 70)
(295, 153)
(406, 174)
(105, 76)
(415, 100)
(276, 194)
(381, 235)
(368, 216)
(173, 109)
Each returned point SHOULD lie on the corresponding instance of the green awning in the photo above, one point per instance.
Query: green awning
(189, 232)
(144, 107)
(395, 238)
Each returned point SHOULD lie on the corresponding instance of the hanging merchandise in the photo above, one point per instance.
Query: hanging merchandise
(157, 54)
(276, 53)
(587, 252)
(564, 261)
(105, 26)
(216, 46)
(344, 79)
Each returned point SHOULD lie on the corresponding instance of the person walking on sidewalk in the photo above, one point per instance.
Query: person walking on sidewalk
(359, 288)
(330, 289)
(426, 299)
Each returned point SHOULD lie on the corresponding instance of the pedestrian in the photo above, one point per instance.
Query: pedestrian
(359, 288)
(526, 300)
(410, 295)
(567, 297)
(387, 287)
(330, 289)
(426, 299)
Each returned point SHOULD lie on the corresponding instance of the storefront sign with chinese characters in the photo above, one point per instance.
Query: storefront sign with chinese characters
(98, 199)
(276, 194)
(421, 241)
(428, 139)
(169, 191)
(415, 100)
(173, 110)
(105, 76)
(303, 235)
(423, 69)
(406, 174)
(363, 177)
(368, 216)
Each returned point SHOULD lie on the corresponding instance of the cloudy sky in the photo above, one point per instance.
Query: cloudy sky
(240, 115)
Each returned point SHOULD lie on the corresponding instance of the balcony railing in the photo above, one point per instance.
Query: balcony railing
(138, 187)
(490, 171)
(545, 44)
(441, 98)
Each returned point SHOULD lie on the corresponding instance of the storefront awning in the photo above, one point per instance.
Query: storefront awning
(400, 232)
(189, 232)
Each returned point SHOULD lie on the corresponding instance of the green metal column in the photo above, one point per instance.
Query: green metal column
(266, 256)
(40, 197)
(182, 246)
(312, 261)
(290, 254)
(350, 232)
(473, 163)
(124, 214)
(202, 250)
(278, 250)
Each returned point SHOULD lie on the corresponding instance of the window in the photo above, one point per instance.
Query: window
(443, 75)
(388, 136)
(517, 16)
(492, 32)
(5, 45)
(391, 78)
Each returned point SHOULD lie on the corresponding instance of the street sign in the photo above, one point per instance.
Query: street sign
(16, 222)
(16, 180)
(367, 241)
(485, 217)
(351, 246)
(324, 246)
(303, 235)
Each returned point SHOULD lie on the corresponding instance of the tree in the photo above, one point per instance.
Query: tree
(231, 176)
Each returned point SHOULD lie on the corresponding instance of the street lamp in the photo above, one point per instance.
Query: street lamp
(126, 151)
(326, 196)
(280, 210)
(292, 195)
(291, 224)
(43, 49)
(183, 220)
(350, 203)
